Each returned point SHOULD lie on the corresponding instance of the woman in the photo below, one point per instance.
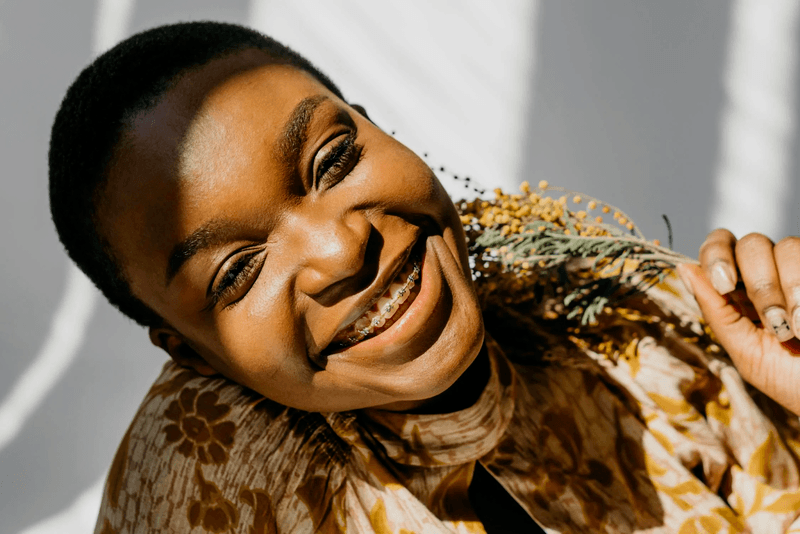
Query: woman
(313, 284)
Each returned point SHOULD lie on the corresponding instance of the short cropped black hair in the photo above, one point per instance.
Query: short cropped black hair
(129, 78)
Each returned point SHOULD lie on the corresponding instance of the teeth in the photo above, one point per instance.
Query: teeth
(362, 322)
(397, 290)
(387, 305)
(384, 304)
(390, 310)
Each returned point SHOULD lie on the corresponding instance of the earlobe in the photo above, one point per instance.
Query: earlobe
(173, 344)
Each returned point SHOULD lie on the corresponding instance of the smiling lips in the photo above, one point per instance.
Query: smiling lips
(386, 310)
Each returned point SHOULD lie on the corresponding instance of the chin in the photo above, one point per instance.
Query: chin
(455, 348)
(435, 377)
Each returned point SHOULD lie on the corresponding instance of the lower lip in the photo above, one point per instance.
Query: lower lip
(425, 314)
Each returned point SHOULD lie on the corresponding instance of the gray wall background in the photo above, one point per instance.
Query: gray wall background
(624, 100)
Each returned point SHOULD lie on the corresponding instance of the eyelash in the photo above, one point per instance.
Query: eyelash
(233, 279)
(340, 160)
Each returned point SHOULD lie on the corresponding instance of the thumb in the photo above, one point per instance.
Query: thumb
(734, 330)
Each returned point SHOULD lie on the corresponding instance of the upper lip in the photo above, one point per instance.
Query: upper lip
(371, 295)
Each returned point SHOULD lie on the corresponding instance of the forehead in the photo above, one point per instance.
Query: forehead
(251, 109)
(208, 104)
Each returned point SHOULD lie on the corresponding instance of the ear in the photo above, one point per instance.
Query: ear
(361, 110)
(168, 339)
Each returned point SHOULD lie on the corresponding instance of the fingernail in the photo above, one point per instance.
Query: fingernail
(685, 279)
(779, 323)
(721, 280)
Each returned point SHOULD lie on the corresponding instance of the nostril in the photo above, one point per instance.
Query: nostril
(342, 263)
(372, 251)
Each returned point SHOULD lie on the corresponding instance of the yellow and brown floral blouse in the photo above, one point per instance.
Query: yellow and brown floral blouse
(664, 438)
(632, 421)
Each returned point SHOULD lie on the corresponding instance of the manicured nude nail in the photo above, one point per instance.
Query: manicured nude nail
(779, 322)
(721, 280)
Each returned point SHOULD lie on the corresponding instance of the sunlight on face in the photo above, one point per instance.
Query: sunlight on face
(277, 232)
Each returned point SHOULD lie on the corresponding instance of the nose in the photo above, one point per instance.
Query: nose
(332, 250)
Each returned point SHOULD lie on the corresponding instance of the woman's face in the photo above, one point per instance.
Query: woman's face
(278, 232)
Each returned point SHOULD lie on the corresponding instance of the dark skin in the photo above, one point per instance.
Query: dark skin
(749, 290)
(237, 227)
(235, 223)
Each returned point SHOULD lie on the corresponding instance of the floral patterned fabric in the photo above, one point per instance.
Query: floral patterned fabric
(652, 430)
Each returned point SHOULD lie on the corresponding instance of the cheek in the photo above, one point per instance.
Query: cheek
(258, 340)
(456, 240)
(402, 175)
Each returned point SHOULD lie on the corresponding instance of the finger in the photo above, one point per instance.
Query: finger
(787, 260)
(738, 297)
(756, 262)
(731, 328)
(717, 258)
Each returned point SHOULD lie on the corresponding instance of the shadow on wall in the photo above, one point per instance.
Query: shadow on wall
(627, 109)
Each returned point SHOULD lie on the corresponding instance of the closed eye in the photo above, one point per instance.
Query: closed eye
(338, 161)
(243, 270)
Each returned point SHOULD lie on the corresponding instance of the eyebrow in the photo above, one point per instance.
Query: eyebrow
(290, 144)
(295, 132)
(211, 234)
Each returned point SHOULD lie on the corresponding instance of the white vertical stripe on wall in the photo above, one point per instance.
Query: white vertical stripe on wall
(111, 23)
(61, 345)
(752, 180)
(67, 330)
(453, 78)
(69, 323)
(68, 327)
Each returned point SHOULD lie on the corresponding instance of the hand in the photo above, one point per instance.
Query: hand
(753, 320)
